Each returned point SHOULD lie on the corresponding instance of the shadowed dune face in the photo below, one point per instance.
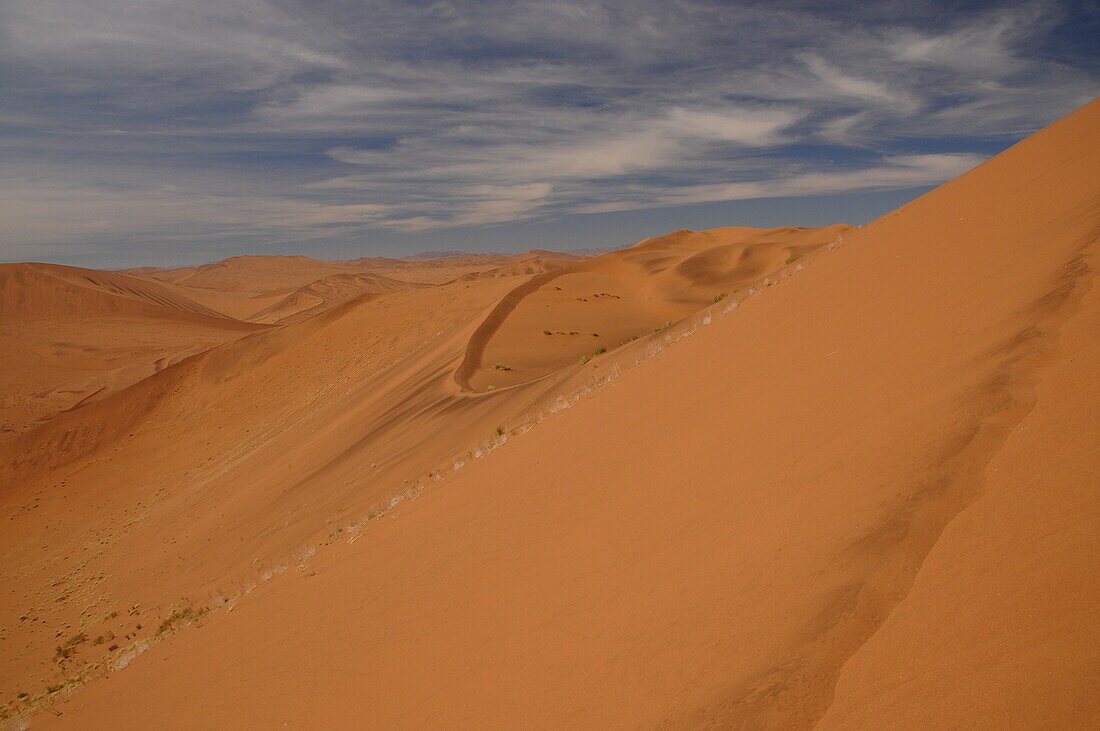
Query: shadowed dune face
(860, 494)
(50, 291)
(565, 317)
(73, 335)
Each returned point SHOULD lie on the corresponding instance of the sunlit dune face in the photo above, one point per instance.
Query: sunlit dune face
(593, 308)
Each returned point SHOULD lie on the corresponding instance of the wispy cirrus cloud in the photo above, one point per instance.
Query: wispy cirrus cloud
(901, 171)
(131, 122)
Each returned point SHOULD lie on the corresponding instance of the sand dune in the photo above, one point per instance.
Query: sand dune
(47, 291)
(328, 292)
(437, 270)
(860, 494)
(270, 288)
(529, 264)
(251, 274)
(254, 275)
(72, 335)
(576, 312)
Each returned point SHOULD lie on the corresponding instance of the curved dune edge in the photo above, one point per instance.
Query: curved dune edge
(667, 279)
(471, 360)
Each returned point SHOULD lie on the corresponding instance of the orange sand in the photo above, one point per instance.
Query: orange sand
(863, 497)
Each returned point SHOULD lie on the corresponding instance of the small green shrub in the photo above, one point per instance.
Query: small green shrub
(720, 297)
(503, 367)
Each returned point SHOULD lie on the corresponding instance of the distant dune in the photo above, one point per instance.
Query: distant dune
(71, 335)
(251, 274)
(740, 478)
(328, 292)
(46, 291)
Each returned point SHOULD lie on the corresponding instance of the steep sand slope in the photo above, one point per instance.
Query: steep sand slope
(1001, 626)
(70, 335)
(839, 471)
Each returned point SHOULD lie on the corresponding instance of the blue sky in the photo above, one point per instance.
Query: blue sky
(180, 131)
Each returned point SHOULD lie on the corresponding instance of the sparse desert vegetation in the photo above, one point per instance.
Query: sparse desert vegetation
(69, 648)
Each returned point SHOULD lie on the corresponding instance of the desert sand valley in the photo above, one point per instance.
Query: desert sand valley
(829, 477)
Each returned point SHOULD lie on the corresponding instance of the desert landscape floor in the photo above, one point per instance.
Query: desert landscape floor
(786, 478)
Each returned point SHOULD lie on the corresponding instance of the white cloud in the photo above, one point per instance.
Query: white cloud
(674, 141)
(897, 172)
(847, 86)
(746, 126)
